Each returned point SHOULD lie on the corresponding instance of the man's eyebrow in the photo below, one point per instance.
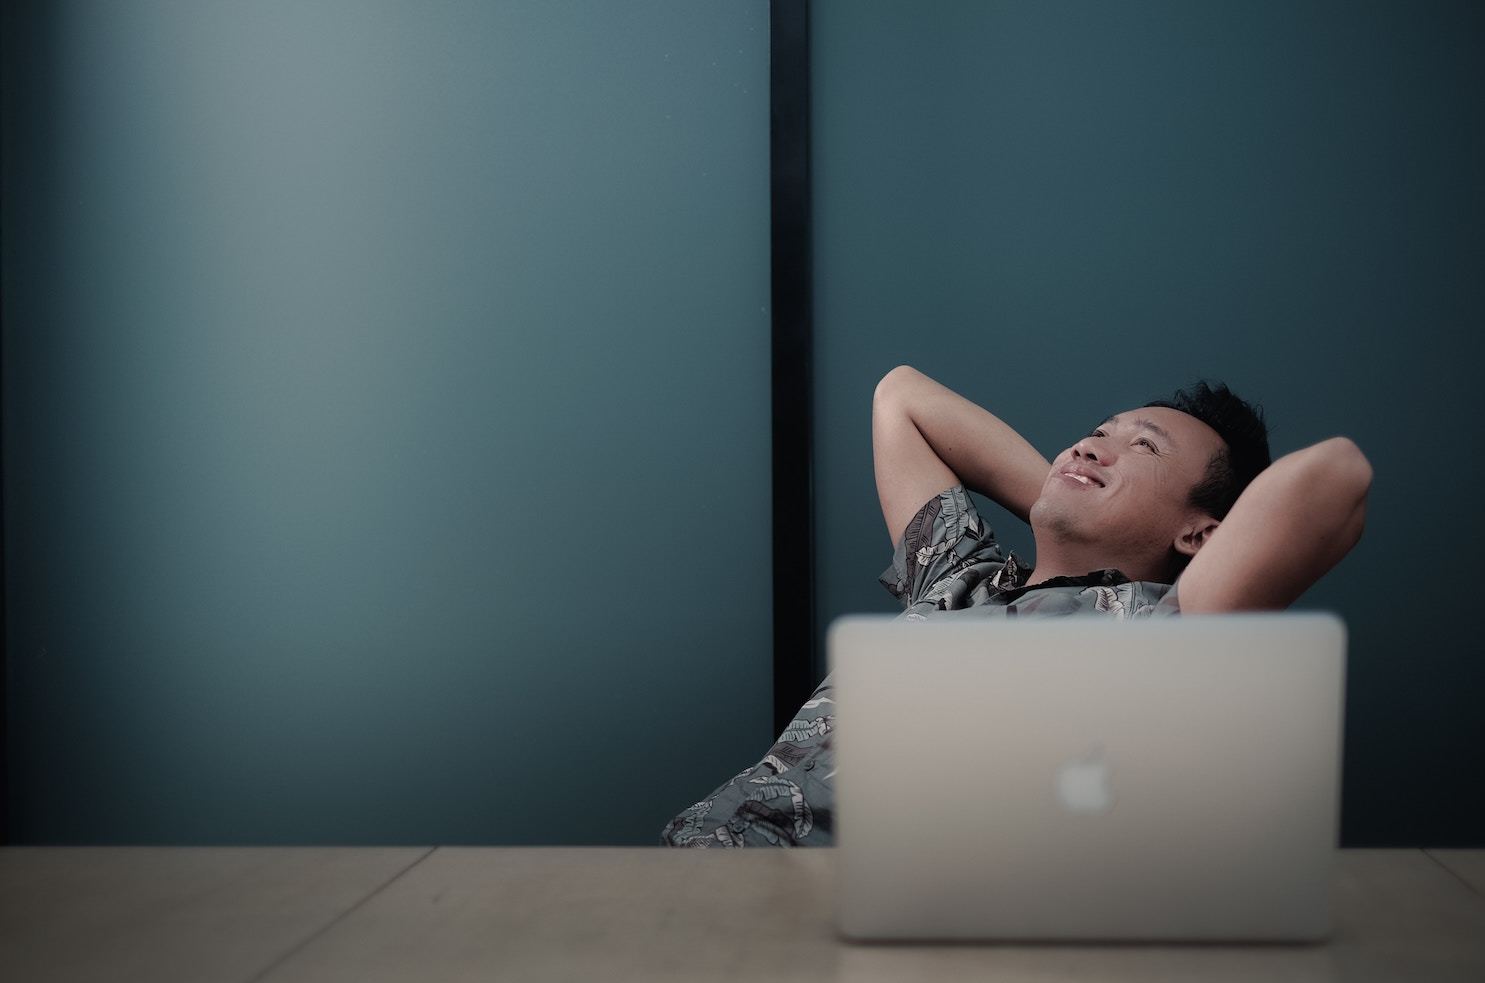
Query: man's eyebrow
(1149, 425)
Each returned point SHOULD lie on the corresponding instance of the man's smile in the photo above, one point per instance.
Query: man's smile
(1082, 476)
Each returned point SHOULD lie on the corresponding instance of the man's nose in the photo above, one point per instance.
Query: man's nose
(1086, 448)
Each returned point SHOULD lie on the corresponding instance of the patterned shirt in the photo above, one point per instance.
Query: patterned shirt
(947, 564)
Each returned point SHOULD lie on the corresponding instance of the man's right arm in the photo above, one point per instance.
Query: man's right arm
(926, 437)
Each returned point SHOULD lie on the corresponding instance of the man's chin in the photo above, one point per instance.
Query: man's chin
(1065, 501)
(1059, 521)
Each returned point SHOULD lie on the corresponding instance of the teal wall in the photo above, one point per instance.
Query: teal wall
(386, 405)
(1062, 210)
(386, 452)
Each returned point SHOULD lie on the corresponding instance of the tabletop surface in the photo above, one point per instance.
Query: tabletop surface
(277, 914)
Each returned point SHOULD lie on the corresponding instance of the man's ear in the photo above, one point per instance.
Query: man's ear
(1195, 534)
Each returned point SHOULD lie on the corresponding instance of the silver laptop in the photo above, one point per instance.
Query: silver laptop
(1080, 778)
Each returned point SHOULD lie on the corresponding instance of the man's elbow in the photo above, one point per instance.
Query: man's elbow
(892, 381)
(1348, 466)
(1345, 462)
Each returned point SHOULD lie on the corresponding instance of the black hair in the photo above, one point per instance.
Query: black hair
(1233, 467)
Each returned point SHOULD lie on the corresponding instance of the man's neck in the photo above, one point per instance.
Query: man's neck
(1064, 560)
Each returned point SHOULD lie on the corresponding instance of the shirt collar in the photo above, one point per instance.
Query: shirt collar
(1012, 579)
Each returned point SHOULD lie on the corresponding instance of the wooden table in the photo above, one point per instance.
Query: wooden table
(599, 913)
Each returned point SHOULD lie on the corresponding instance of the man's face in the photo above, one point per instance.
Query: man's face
(1138, 468)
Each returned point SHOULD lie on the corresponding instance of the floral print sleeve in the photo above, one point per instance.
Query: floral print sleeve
(948, 558)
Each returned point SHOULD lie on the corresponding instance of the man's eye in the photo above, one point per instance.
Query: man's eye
(1143, 440)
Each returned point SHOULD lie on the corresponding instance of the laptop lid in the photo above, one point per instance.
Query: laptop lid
(1086, 778)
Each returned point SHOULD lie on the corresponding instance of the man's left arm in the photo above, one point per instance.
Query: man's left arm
(1290, 526)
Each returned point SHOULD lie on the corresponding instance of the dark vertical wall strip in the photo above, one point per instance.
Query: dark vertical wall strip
(793, 485)
(7, 95)
(24, 106)
(8, 54)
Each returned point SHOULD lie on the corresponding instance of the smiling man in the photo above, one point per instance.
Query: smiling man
(1168, 508)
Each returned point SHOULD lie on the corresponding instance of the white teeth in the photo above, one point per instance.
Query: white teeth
(1083, 478)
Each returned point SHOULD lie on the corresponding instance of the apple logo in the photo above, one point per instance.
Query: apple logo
(1083, 783)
